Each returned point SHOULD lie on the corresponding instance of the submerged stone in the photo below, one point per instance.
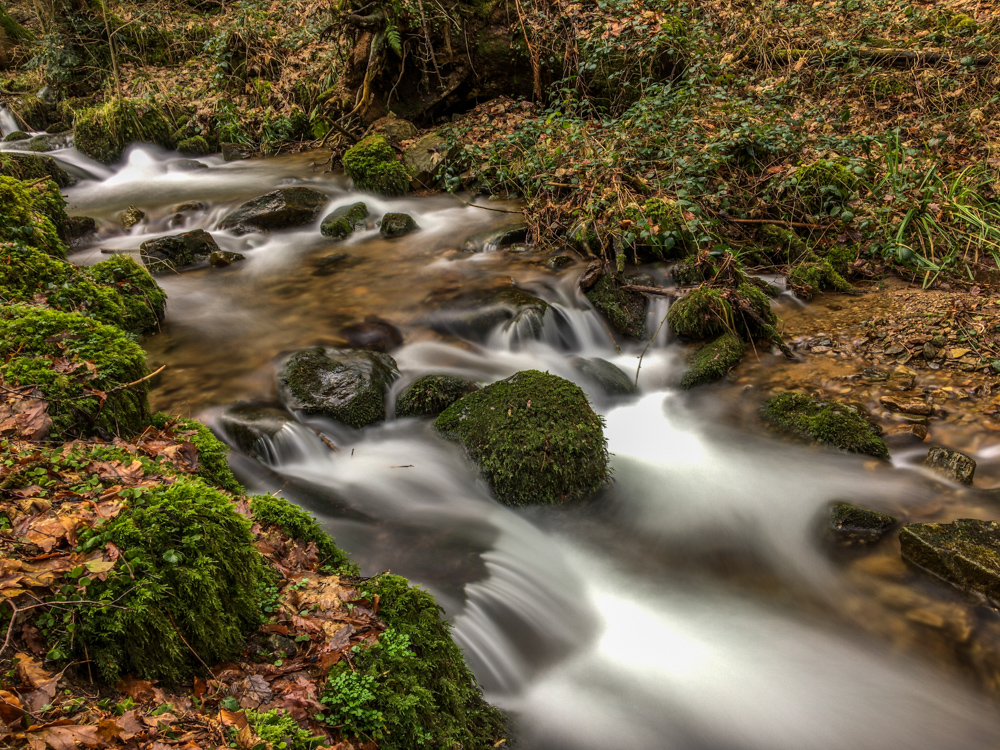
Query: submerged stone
(396, 225)
(826, 422)
(432, 394)
(348, 385)
(491, 240)
(606, 376)
(850, 526)
(714, 361)
(373, 333)
(345, 220)
(951, 464)
(534, 436)
(489, 309)
(279, 209)
(177, 250)
(331, 264)
(223, 258)
(966, 553)
(559, 262)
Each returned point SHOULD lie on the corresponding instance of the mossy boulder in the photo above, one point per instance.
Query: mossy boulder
(143, 300)
(850, 526)
(32, 167)
(701, 314)
(165, 254)
(270, 510)
(818, 187)
(194, 146)
(187, 582)
(413, 688)
(608, 378)
(430, 395)
(213, 467)
(965, 553)
(714, 361)
(397, 225)
(624, 310)
(951, 464)
(812, 277)
(252, 427)
(491, 240)
(40, 144)
(344, 221)
(78, 227)
(826, 422)
(486, 310)
(103, 133)
(17, 135)
(348, 385)
(534, 436)
(426, 157)
(87, 371)
(373, 166)
(32, 214)
(279, 209)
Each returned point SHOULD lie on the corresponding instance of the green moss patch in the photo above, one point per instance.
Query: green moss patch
(270, 510)
(83, 368)
(714, 361)
(412, 689)
(811, 278)
(816, 188)
(32, 214)
(701, 314)
(143, 300)
(826, 422)
(187, 582)
(33, 167)
(212, 452)
(373, 166)
(624, 310)
(534, 436)
(432, 394)
(966, 553)
(194, 146)
(103, 133)
(342, 222)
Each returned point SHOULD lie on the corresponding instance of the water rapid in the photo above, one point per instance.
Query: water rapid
(689, 605)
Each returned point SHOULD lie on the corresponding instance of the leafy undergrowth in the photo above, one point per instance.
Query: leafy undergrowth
(70, 516)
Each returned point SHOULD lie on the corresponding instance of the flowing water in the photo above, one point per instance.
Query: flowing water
(688, 605)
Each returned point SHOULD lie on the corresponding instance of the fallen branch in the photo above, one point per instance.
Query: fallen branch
(781, 223)
(654, 290)
(895, 58)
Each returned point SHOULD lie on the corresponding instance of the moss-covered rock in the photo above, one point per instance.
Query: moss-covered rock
(966, 553)
(701, 314)
(279, 209)
(714, 361)
(349, 385)
(815, 276)
(40, 144)
(782, 245)
(607, 377)
(143, 300)
(850, 526)
(372, 165)
(396, 225)
(432, 394)
(534, 436)
(818, 187)
(165, 254)
(194, 146)
(270, 510)
(485, 310)
(190, 584)
(17, 135)
(251, 427)
(103, 133)
(32, 167)
(412, 689)
(32, 214)
(212, 464)
(87, 371)
(624, 310)
(826, 422)
(342, 222)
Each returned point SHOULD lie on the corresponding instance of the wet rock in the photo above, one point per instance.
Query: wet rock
(223, 258)
(58, 128)
(348, 385)
(235, 151)
(194, 146)
(534, 436)
(425, 157)
(487, 310)
(342, 222)
(951, 464)
(495, 239)
(559, 262)
(829, 423)
(624, 310)
(131, 216)
(17, 135)
(851, 526)
(432, 394)
(40, 143)
(189, 207)
(713, 361)
(908, 407)
(914, 432)
(394, 129)
(396, 225)
(177, 250)
(185, 165)
(250, 427)
(966, 553)
(331, 264)
(606, 376)
(374, 333)
(78, 227)
(279, 209)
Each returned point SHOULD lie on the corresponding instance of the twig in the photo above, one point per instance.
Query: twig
(654, 290)
(487, 208)
(643, 354)
(779, 222)
(180, 635)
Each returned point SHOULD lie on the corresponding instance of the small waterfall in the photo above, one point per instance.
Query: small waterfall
(9, 122)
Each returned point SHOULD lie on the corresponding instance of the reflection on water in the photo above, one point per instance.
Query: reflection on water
(688, 605)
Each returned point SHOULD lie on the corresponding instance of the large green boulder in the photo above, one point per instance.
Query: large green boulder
(32, 214)
(91, 374)
(966, 553)
(534, 436)
(826, 422)
(432, 394)
(349, 385)
(185, 587)
(713, 361)
(144, 302)
(279, 209)
(103, 133)
(373, 166)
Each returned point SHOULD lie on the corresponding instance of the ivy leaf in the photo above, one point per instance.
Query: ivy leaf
(172, 556)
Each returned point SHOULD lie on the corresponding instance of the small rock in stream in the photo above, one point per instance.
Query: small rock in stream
(131, 216)
(250, 426)
(279, 209)
(344, 221)
(965, 553)
(951, 464)
(177, 250)
(331, 264)
(223, 258)
(851, 526)
(396, 225)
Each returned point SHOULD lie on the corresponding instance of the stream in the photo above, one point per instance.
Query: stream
(690, 604)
